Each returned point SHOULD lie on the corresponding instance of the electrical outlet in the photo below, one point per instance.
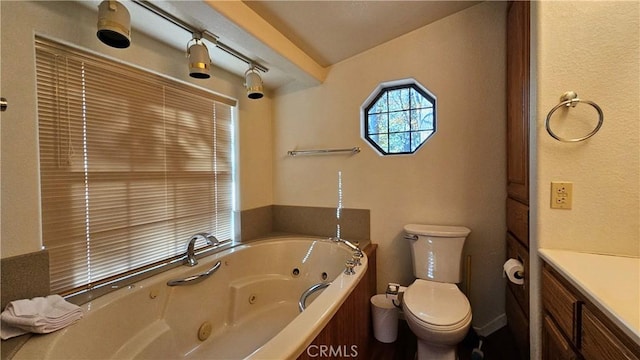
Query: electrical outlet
(561, 195)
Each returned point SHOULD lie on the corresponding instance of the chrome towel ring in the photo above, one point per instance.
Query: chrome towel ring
(567, 99)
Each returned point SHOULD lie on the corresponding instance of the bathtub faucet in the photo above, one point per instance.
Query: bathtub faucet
(190, 257)
(354, 247)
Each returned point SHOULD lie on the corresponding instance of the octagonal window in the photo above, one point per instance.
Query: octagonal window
(398, 118)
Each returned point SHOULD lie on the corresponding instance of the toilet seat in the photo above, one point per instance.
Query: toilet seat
(437, 306)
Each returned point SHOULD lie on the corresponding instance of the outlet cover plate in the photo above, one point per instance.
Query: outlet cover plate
(561, 195)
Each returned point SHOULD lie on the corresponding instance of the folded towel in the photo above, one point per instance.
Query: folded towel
(38, 315)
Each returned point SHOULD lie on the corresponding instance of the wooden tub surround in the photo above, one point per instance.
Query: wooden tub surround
(350, 330)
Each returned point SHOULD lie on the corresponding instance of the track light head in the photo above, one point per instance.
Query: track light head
(253, 84)
(199, 60)
(114, 24)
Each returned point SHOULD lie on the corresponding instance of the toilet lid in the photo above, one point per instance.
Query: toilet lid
(439, 304)
(437, 230)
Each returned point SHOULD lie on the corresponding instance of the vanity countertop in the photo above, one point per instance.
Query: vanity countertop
(612, 283)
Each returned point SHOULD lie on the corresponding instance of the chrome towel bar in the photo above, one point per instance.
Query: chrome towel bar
(353, 150)
(192, 280)
(302, 303)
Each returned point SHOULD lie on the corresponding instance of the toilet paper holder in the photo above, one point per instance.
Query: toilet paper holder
(519, 274)
(514, 270)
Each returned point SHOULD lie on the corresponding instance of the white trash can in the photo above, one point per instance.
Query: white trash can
(385, 319)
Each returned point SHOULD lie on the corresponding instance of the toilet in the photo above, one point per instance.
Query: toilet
(437, 312)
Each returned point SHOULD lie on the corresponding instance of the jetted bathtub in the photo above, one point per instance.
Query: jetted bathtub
(247, 309)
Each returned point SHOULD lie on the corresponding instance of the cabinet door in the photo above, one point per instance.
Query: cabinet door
(554, 345)
(599, 343)
(518, 324)
(518, 221)
(561, 303)
(518, 101)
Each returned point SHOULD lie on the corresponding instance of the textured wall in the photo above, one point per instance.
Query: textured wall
(457, 177)
(592, 48)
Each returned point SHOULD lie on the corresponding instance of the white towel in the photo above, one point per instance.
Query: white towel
(38, 315)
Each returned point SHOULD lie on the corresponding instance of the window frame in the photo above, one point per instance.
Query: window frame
(372, 100)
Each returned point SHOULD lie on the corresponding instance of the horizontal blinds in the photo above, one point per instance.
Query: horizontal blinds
(131, 166)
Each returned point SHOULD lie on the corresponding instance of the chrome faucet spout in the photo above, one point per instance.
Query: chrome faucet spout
(190, 257)
(354, 247)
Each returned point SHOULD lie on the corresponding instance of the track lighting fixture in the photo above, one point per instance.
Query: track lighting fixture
(114, 29)
(253, 83)
(114, 24)
(199, 60)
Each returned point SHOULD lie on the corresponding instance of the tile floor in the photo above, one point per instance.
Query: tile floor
(498, 346)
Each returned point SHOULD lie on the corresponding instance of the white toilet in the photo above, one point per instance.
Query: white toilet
(437, 312)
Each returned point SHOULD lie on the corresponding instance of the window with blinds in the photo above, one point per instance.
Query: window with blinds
(131, 163)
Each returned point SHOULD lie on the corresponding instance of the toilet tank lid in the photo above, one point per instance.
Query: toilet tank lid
(437, 230)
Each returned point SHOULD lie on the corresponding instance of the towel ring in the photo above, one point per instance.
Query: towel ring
(570, 98)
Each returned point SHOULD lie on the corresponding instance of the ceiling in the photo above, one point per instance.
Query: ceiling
(325, 31)
(332, 31)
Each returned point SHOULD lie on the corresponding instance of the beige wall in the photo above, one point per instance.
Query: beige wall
(457, 177)
(592, 48)
(75, 24)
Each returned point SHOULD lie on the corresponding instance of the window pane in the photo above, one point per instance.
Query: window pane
(399, 100)
(378, 123)
(382, 141)
(380, 105)
(399, 143)
(419, 101)
(422, 119)
(399, 121)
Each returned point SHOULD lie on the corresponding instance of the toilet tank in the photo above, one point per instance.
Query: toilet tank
(436, 251)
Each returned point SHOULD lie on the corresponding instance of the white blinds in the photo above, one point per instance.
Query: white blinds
(132, 164)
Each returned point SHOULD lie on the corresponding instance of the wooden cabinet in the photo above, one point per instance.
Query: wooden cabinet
(517, 204)
(598, 340)
(517, 298)
(515, 250)
(573, 328)
(518, 221)
(561, 304)
(518, 323)
(554, 345)
(518, 101)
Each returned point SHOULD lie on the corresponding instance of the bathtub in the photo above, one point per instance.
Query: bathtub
(247, 309)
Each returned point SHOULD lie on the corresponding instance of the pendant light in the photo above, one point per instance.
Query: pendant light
(114, 24)
(199, 60)
(253, 83)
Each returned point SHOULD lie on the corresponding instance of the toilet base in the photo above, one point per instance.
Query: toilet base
(427, 351)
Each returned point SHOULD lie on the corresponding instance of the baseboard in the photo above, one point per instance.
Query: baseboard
(491, 327)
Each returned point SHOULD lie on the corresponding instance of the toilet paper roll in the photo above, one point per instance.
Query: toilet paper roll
(515, 271)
